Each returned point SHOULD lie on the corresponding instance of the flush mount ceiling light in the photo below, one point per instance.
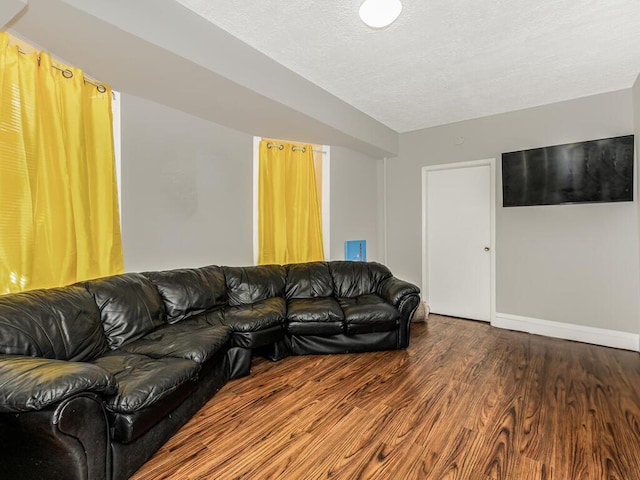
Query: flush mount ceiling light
(380, 13)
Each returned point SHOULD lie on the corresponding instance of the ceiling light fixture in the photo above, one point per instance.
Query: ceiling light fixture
(380, 13)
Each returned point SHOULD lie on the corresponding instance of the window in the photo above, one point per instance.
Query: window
(321, 157)
(59, 210)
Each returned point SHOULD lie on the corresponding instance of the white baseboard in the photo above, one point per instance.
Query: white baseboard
(568, 331)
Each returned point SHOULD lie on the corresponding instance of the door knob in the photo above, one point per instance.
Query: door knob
(486, 249)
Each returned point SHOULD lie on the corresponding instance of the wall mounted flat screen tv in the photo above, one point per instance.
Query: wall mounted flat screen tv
(584, 172)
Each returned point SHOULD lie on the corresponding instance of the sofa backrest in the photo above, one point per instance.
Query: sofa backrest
(58, 323)
(247, 285)
(352, 279)
(130, 306)
(190, 291)
(308, 280)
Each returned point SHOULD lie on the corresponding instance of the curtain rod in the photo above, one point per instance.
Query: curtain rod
(66, 73)
(294, 148)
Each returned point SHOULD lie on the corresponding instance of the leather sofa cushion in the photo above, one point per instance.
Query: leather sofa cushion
(188, 292)
(393, 290)
(130, 306)
(247, 285)
(352, 279)
(368, 313)
(143, 381)
(315, 328)
(197, 343)
(212, 317)
(256, 316)
(314, 316)
(314, 310)
(59, 323)
(308, 280)
(127, 427)
(32, 383)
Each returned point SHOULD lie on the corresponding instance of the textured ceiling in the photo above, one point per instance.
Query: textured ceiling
(444, 61)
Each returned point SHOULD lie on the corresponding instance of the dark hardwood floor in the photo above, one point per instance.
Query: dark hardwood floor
(465, 401)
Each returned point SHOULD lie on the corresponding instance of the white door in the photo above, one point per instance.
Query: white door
(458, 214)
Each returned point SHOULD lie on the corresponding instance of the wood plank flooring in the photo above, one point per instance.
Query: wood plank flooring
(466, 401)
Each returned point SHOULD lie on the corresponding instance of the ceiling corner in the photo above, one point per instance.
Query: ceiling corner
(9, 9)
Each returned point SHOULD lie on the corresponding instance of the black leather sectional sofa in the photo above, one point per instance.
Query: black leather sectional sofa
(95, 377)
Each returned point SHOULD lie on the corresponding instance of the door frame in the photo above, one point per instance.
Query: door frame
(491, 162)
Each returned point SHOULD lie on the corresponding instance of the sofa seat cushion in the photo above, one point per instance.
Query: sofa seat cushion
(127, 427)
(256, 316)
(314, 316)
(192, 342)
(212, 318)
(143, 381)
(368, 313)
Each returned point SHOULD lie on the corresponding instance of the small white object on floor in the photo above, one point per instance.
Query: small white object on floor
(422, 313)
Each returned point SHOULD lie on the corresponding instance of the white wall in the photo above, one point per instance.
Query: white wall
(9, 9)
(573, 264)
(187, 192)
(356, 202)
(186, 189)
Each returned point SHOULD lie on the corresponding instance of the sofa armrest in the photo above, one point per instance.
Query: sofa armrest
(33, 383)
(405, 297)
(69, 440)
(394, 290)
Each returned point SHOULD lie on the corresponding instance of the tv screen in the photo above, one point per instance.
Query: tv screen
(593, 171)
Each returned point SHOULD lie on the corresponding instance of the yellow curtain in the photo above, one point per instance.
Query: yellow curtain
(59, 218)
(289, 228)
